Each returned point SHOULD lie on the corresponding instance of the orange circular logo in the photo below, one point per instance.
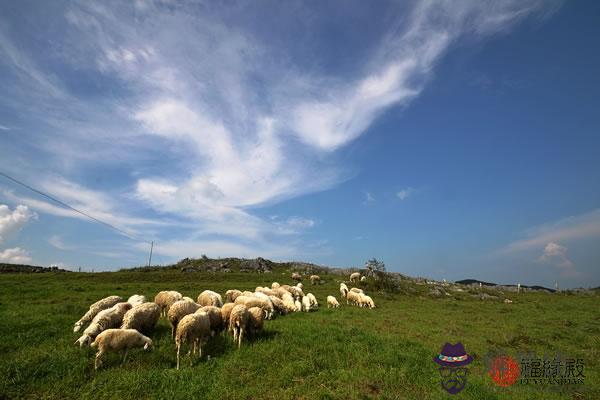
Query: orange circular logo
(504, 370)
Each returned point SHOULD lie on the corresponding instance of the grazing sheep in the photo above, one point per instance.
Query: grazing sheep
(367, 301)
(288, 303)
(314, 279)
(314, 304)
(210, 298)
(95, 308)
(296, 277)
(363, 278)
(226, 312)
(255, 320)
(193, 329)
(215, 317)
(231, 295)
(253, 301)
(188, 299)
(247, 293)
(275, 285)
(298, 305)
(332, 302)
(119, 340)
(238, 321)
(136, 299)
(353, 298)
(165, 299)
(278, 305)
(305, 304)
(354, 277)
(266, 291)
(142, 317)
(300, 286)
(296, 292)
(343, 290)
(105, 319)
(357, 290)
(178, 310)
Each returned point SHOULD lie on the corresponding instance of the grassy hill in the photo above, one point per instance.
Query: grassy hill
(349, 353)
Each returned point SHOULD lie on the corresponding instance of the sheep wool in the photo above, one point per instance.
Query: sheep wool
(119, 340)
(332, 302)
(238, 322)
(314, 279)
(314, 304)
(306, 304)
(353, 298)
(142, 317)
(210, 298)
(354, 277)
(232, 294)
(136, 299)
(105, 319)
(178, 310)
(226, 312)
(357, 290)
(165, 299)
(255, 320)
(296, 277)
(193, 329)
(275, 285)
(343, 289)
(95, 308)
(215, 317)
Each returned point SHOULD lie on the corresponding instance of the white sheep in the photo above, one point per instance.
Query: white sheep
(226, 313)
(353, 298)
(314, 279)
(306, 304)
(231, 295)
(210, 298)
(178, 310)
(95, 308)
(332, 302)
(363, 278)
(215, 317)
(253, 301)
(238, 322)
(165, 299)
(296, 277)
(142, 317)
(275, 285)
(105, 319)
(343, 289)
(298, 305)
(136, 299)
(300, 286)
(193, 329)
(367, 301)
(255, 320)
(354, 277)
(278, 304)
(119, 340)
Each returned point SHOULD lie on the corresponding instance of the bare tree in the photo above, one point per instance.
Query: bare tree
(374, 267)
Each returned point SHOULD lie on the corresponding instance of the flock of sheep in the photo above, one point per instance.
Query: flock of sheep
(118, 326)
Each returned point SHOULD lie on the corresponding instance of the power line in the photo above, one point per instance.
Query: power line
(62, 203)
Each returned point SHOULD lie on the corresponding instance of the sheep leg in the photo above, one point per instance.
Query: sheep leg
(124, 356)
(240, 335)
(98, 361)
(178, 350)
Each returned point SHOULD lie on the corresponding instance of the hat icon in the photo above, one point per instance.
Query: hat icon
(453, 355)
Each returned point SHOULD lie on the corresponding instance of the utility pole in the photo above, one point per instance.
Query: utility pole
(151, 247)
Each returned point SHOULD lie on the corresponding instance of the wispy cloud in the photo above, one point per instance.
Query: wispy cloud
(555, 253)
(405, 193)
(208, 120)
(567, 229)
(4, 128)
(369, 198)
(57, 242)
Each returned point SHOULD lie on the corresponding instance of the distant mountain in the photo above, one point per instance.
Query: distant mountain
(476, 282)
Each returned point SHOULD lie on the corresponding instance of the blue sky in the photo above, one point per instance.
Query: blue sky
(450, 139)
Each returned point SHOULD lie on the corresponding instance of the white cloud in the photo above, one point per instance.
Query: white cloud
(555, 253)
(369, 198)
(4, 128)
(56, 241)
(15, 255)
(12, 221)
(405, 193)
(567, 229)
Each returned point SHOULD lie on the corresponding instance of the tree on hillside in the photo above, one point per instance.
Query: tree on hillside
(374, 267)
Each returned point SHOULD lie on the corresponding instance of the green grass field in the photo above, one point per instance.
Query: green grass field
(349, 353)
